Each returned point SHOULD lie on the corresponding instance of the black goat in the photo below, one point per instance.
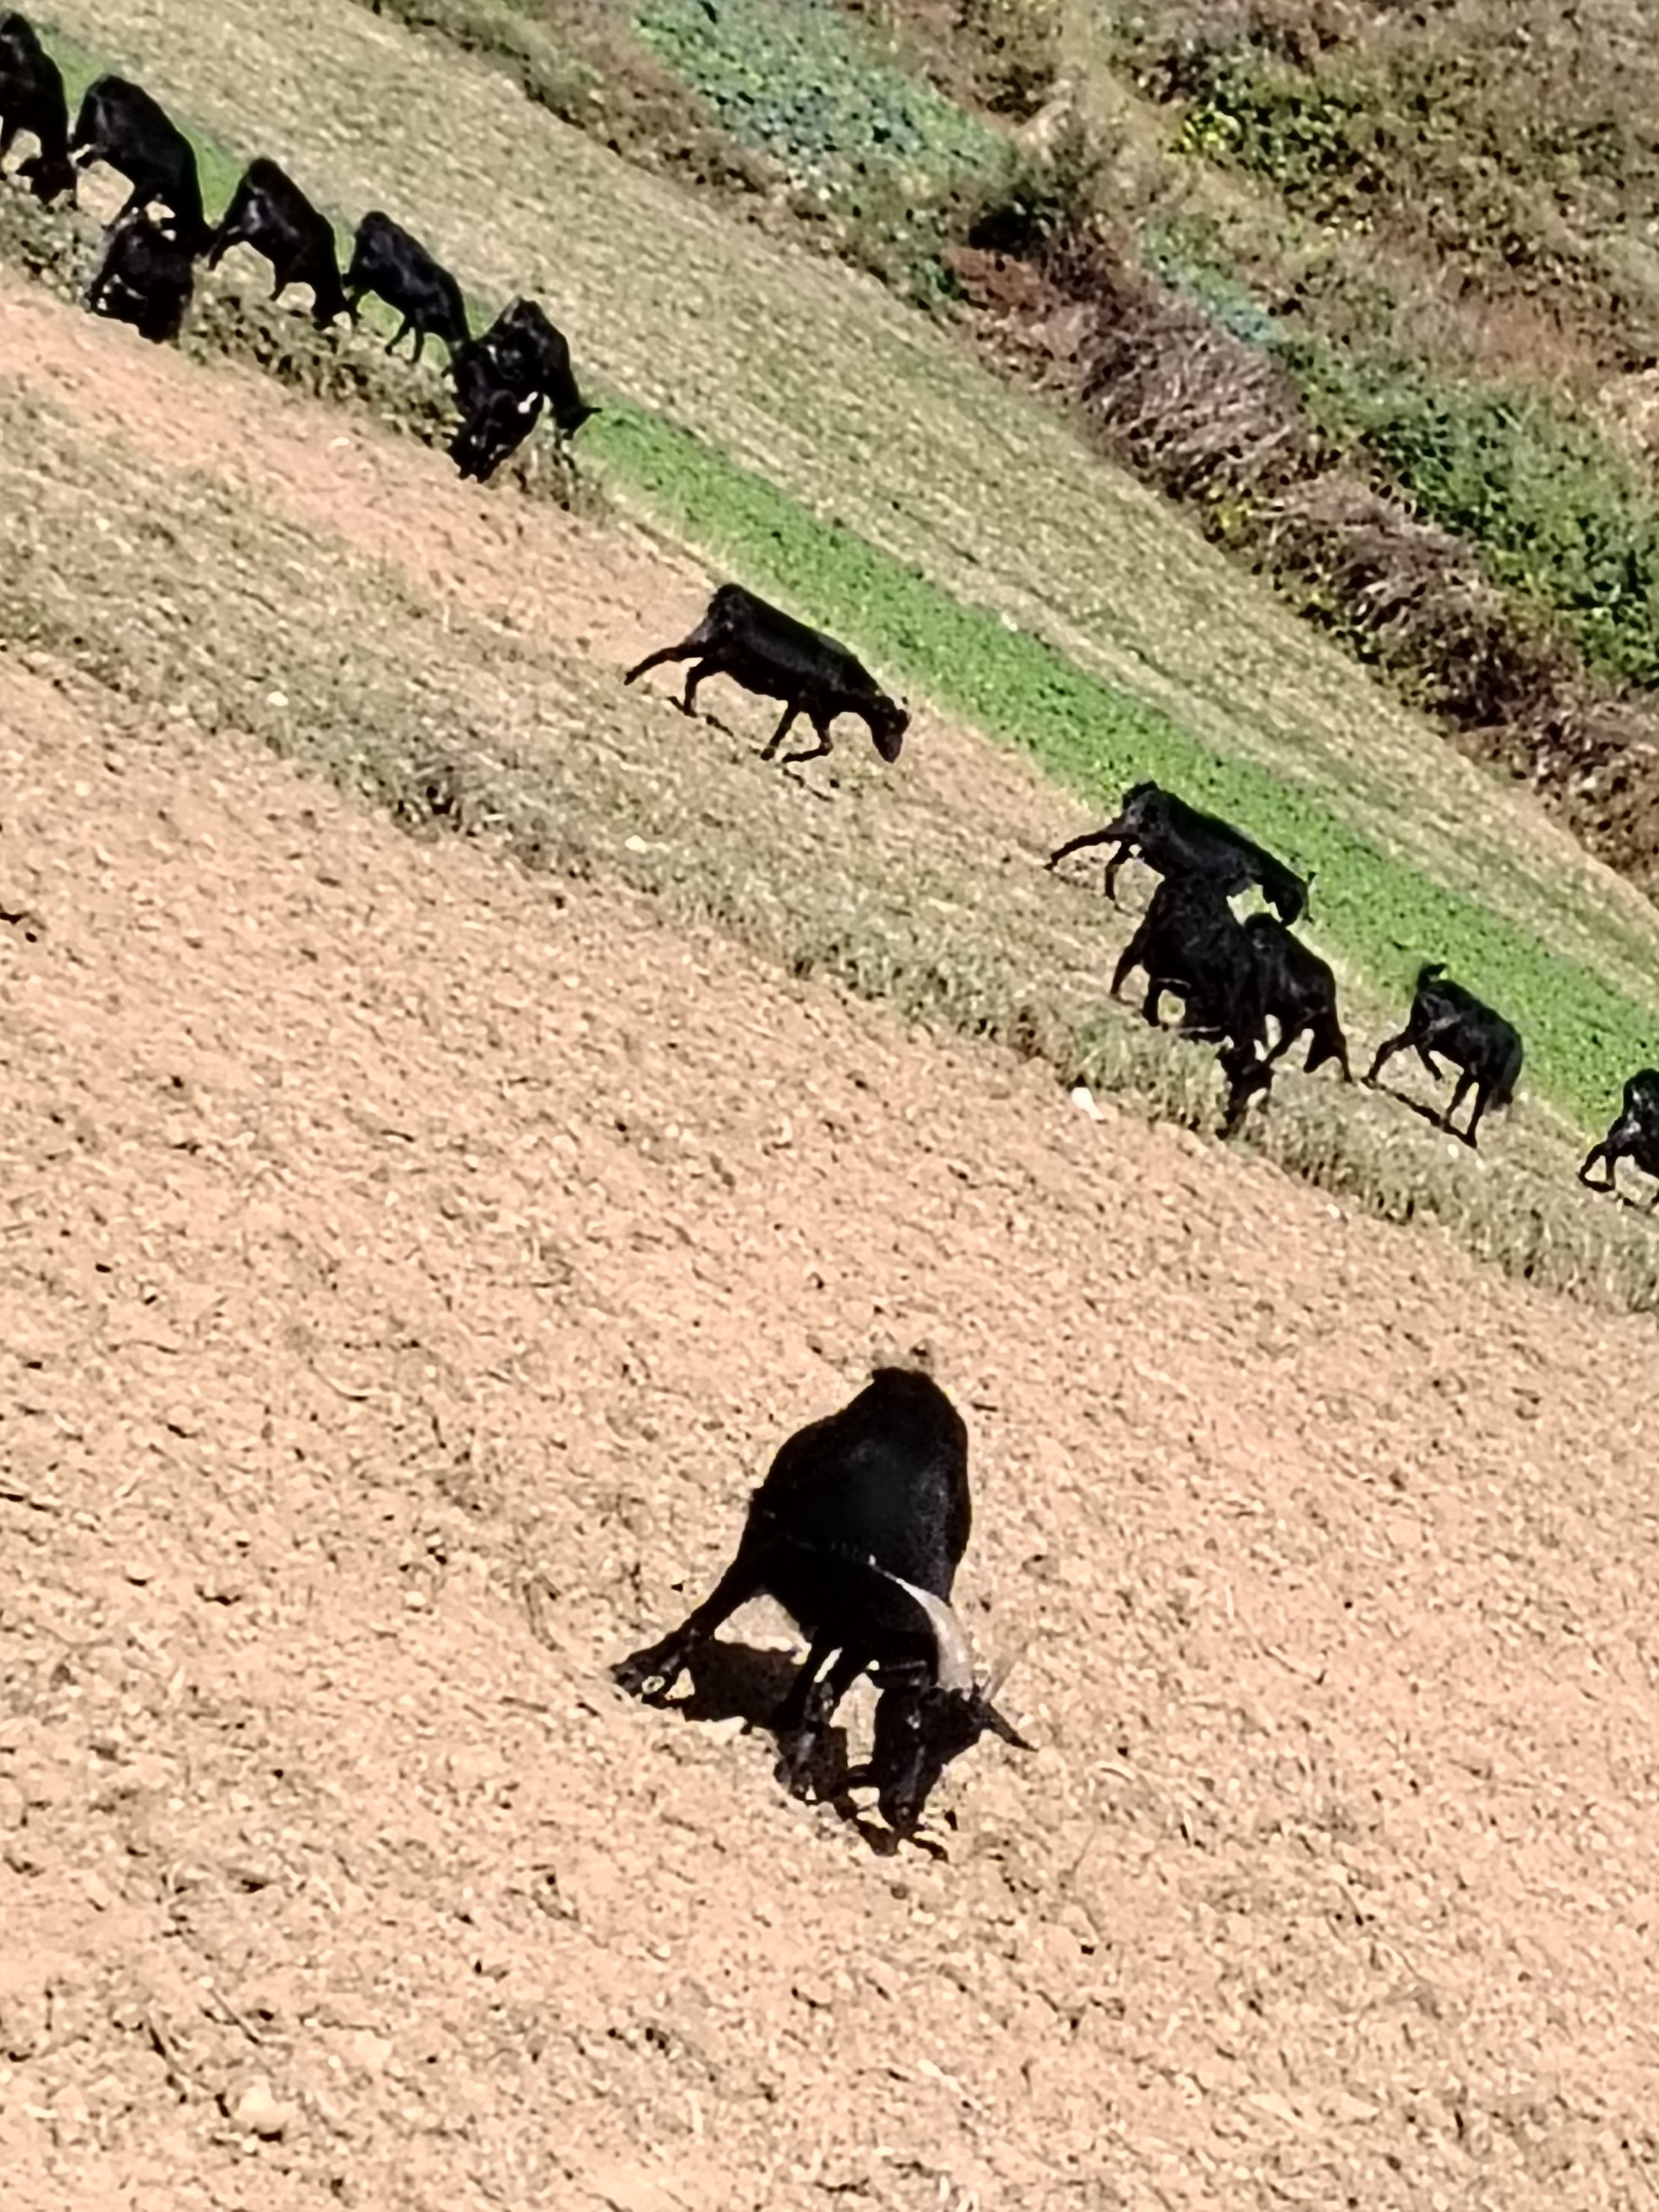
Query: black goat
(1192, 943)
(501, 379)
(385, 259)
(32, 99)
(1175, 839)
(1298, 991)
(145, 277)
(857, 1532)
(770, 653)
(496, 418)
(120, 122)
(1634, 1135)
(1481, 1045)
(269, 212)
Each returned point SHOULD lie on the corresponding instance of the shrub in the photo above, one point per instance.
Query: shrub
(1037, 203)
(1554, 509)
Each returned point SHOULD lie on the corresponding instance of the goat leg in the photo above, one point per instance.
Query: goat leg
(1459, 1092)
(803, 1719)
(665, 1660)
(825, 743)
(1385, 1053)
(769, 750)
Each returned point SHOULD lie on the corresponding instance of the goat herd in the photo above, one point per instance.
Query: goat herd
(862, 1519)
(146, 272)
(1235, 977)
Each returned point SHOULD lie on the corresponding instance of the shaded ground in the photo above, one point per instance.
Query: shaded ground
(413, 1262)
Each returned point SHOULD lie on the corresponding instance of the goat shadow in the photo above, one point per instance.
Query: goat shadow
(786, 761)
(1425, 1111)
(1638, 1205)
(735, 1681)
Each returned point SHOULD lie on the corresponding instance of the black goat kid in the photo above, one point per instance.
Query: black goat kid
(1177, 841)
(769, 652)
(857, 1532)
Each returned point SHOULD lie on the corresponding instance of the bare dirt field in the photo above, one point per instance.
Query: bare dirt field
(410, 1262)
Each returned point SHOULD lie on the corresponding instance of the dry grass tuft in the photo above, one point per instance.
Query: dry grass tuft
(1185, 404)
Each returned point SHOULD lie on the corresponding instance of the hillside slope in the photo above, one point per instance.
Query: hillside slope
(824, 386)
(218, 550)
(414, 1257)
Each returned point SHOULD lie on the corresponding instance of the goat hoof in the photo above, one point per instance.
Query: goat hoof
(659, 1663)
(798, 1758)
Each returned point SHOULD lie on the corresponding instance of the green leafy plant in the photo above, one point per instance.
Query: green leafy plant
(1555, 510)
(800, 81)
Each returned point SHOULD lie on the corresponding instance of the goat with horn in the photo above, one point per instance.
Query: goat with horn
(857, 1531)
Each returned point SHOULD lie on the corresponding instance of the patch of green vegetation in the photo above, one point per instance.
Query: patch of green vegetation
(1315, 140)
(855, 138)
(1186, 257)
(1583, 1036)
(800, 82)
(1555, 510)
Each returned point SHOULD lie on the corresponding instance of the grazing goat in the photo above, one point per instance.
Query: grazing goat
(770, 653)
(145, 277)
(857, 1532)
(1298, 991)
(1175, 839)
(496, 418)
(1481, 1045)
(1634, 1135)
(269, 212)
(120, 124)
(32, 99)
(387, 261)
(501, 379)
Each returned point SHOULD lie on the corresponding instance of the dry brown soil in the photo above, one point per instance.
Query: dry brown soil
(406, 1266)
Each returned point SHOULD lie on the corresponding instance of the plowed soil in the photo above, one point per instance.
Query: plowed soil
(407, 1265)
